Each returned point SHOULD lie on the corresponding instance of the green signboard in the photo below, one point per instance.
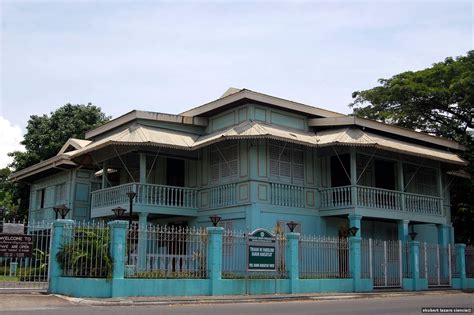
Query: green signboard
(261, 251)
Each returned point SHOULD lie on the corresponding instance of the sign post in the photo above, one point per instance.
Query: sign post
(16, 245)
(261, 251)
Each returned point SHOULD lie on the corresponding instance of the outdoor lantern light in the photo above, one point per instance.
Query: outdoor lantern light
(413, 235)
(292, 225)
(131, 195)
(215, 219)
(62, 210)
(353, 230)
(119, 211)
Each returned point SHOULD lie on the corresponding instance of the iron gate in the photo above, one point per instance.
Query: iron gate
(386, 263)
(437, 264)
(29, 272)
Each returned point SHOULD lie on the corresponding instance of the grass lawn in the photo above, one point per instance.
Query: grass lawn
(8, 279)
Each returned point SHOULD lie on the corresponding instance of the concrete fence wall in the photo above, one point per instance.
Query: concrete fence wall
(120, 286)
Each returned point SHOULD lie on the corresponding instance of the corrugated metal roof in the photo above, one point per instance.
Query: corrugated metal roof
(357, 137)
(257, 129)
(152, 136)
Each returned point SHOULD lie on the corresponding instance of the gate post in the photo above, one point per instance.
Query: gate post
(355, 262)
(461, 264)
(415, 266)
(118, 239)
(214, 258)
(57, 241)
(292, 261)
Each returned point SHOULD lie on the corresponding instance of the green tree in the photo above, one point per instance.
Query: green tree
(439, 101)
(44, 137)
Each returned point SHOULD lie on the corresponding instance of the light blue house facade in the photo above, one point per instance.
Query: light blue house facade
(257, 161)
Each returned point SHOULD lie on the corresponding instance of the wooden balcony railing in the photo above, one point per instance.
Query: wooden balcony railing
(287, 195)
(147, 194)
(377, 198)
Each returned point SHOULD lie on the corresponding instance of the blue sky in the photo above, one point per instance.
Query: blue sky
(170, 56)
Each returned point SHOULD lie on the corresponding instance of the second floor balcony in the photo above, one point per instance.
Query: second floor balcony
(183, 201)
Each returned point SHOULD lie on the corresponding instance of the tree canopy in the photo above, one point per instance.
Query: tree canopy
(44, 137)
(438, 100)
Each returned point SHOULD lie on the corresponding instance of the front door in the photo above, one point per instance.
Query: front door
(175, 172)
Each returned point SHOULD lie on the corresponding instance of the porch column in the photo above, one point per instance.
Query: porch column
(443, 241)
(401, 185)
(403, 230)
(104, 174)
(443, 234)
(142, 240)
(142, 168)
(354, 220)
(353, 177)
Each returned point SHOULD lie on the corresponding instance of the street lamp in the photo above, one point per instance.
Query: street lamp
(353, 230)
(62, 210)
(131, 195)
(118, 212)
(413, 235)
(215, 219)
(292, 225)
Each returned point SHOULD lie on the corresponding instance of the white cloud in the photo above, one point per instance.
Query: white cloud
(10, 137)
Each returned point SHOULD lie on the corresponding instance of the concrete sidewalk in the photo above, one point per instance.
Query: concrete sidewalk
(174, 300)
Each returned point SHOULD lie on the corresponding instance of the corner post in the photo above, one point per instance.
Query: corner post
(355, 221)
(214, 258)
(292, 261)
(403, 230)
(461, 264)
(56, 243)
(355, 261)
(118, 239)
(142, 240)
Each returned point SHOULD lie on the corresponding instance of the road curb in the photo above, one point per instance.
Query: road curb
(245, 299)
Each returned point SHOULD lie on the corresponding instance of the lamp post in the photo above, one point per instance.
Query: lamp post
(215, 219)
(118, 212)
(353, 230)
(131, 195)
(62, 210)
(292, 225)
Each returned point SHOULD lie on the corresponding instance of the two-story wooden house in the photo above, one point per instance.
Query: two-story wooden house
(257, 161)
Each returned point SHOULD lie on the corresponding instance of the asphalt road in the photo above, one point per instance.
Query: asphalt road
(38, 305)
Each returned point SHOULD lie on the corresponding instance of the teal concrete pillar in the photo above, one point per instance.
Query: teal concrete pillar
(443, 234)
(214, 258)
(142, 241)
(118, 242)
(355, 262)
(353, 172)
(58, 240)
(292, 261)
(415, 266)
(403, 230)
(443, 240)
(355, 221)
(461, 264)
